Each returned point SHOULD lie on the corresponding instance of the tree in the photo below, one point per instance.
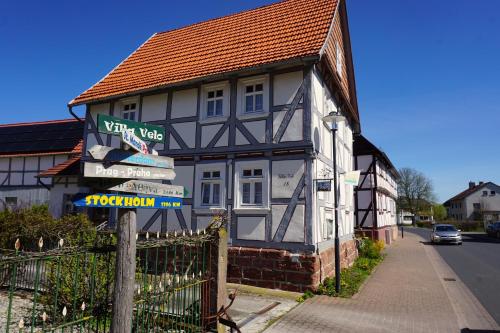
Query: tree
(415, 191)
(440, 213)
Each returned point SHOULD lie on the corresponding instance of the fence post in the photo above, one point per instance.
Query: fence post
(123, 294)
(222, 274)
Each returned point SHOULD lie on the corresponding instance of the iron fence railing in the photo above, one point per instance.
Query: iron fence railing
(70, 289)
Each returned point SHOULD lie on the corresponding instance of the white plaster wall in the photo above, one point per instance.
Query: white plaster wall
(184, 103)
(251, 228)
(25, 196)
(4, 164)
(488, 202)
(187, 132)
(295, 231)
(258, 129)
(154, 107)
(294, 130)
(286, 86)
(208, 132)
(285, 177)
(184, 177)
(57, 193)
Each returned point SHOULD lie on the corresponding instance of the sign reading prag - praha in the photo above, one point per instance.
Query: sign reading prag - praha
(128, 201)
(112, 125)
(99, 170)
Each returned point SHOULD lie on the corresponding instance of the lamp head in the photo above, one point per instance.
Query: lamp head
(332, 118)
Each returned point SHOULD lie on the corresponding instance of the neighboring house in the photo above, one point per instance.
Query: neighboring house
(241, 99)
(376, 193)
(26, 150)
(405, 218)
(480, 201)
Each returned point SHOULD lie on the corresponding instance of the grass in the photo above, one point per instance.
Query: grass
(351, 279)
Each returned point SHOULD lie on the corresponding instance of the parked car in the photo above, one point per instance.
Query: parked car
(493, 229)
(445, 233)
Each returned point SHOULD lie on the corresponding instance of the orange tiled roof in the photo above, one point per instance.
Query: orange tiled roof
(287, 30)
(61, 167)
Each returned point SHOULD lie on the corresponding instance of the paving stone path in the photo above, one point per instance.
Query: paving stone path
(407, 293)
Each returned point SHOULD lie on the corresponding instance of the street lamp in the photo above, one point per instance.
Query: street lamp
(331, 121)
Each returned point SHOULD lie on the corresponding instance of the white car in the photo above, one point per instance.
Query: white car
(445, 233)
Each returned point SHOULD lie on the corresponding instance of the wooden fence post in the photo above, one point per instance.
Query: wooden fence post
(222, 274)
(123, 294)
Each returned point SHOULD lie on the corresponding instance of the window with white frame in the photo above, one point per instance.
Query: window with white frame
(215, 102)
(328, 228)
(252, 184)
(129, 111)
(211, 188)
(254, 98)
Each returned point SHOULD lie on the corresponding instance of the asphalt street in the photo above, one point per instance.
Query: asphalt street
(477, 263)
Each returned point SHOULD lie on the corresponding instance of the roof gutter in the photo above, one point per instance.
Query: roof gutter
(70, 109)
(305, 60)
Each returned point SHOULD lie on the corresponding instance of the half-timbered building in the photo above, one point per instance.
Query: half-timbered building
(27, 150)
(241, 99)
(377, 192)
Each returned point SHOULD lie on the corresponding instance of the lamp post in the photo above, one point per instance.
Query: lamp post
(331, 121)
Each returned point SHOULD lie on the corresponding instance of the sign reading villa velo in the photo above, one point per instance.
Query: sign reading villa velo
(112, 125)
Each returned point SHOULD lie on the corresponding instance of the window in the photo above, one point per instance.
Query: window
(215, 103)
(492, 193)
(254, 98)
(338, 56)
(328, 229)
(485, 193)
(211, 188)
(251, 187)
(476, 205)
(129, 111)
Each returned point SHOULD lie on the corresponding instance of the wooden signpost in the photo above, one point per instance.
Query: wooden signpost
(99, 170)
(148, 188)
(109, 154)
(142, 165)
(133, 141)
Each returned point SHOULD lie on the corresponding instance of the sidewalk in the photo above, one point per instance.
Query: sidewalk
(407, 293)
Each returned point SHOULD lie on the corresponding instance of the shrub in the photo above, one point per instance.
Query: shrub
(369, 249)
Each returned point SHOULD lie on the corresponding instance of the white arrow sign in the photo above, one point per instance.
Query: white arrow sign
(142, 187)
(110, 154)
(98, 170)
(136, 143)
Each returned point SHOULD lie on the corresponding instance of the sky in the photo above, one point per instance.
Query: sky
(427, 72)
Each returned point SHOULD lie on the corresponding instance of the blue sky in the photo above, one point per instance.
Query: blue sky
(427, 72)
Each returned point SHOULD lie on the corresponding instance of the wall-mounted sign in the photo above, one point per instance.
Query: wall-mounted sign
(110, 154)
(127, 201)
(323, 185)
(136, 143)
(99, 170)
(112, 125)
(138, 186)
(352, 177)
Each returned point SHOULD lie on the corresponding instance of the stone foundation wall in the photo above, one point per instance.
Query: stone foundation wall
(281, 269)
(380, 233)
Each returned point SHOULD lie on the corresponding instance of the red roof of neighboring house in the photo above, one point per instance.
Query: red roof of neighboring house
(284, 31)
(68, 167)
(467, 192)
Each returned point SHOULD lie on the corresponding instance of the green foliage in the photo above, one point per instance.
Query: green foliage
(440, 213)
(351, 279)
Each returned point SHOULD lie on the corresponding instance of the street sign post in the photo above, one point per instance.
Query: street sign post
(147, 132)
(148, 188)
(128, 201)
(99, 170)
(136, 143)
(110, 154)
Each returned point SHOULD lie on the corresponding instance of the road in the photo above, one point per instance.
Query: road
(477, 263)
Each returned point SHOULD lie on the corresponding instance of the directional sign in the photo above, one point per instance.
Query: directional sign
(136, 143)
(99, 170)
(138, 186)
(112, 125)
(110, 154)
(127, 201)
(352, 177)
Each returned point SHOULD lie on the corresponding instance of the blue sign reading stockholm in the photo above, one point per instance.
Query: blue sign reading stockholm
(127, 201)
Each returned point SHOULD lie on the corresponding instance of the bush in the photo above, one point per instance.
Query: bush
(370, 249)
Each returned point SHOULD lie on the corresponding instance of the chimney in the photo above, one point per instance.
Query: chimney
(472, 184)
(481, 183)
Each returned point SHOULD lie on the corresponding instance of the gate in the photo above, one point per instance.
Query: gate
(70, 289)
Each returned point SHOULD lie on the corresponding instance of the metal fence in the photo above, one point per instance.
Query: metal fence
(70, 289)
